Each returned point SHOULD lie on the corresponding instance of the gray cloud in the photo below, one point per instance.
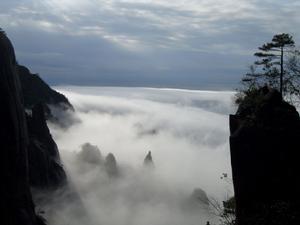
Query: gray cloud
(160, 43)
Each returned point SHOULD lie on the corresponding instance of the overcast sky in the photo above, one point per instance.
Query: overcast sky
(188, 43)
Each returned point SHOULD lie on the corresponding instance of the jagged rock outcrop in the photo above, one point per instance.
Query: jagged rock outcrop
(264, 145)
(16, 201)
(148, 161)
(92, 158)
(110, 164)
(45, 168)
(90, 153)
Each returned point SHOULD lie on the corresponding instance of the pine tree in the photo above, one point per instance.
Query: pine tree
(271, 62)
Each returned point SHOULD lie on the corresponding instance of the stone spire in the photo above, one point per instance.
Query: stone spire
(148, 160)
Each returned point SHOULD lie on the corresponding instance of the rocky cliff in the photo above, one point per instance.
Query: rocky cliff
(45, 168)
(16, 202)
(264, 144)
(35, 90)
(57, 107)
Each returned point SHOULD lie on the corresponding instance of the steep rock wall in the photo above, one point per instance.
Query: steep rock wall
(265, 150)
(45, 167)
(16, 202)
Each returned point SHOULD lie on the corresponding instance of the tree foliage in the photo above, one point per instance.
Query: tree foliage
(277, 65)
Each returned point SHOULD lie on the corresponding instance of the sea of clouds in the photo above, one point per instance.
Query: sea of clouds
(187, 132)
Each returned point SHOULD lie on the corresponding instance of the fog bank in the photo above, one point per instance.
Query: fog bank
(187, 133)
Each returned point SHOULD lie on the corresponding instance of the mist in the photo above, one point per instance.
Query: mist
(187, 133)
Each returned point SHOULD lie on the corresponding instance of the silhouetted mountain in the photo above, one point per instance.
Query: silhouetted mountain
(35, 90)
(16, 202)
(264, 145)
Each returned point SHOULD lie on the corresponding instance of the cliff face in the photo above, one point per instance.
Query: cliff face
(264, 144)
(16, 202)
(45, 168)
(29, 155)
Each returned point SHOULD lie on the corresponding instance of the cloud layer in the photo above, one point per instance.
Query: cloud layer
(187, 133)
(140, 42)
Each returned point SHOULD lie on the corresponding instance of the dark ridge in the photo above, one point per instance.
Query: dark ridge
(35, 91)
(264, 146)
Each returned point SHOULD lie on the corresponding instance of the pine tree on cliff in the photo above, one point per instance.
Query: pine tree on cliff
(274, 69)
